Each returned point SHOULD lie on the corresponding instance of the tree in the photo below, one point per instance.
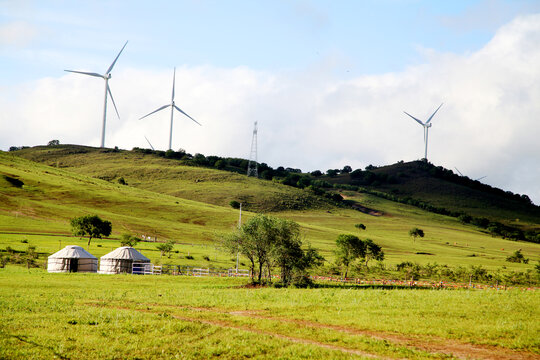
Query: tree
(373, 251)
(166, 248)
(91, 226)
(349, 248)
(53, 143)
(517, 257)
(269, 242)
(129, 240)
(415, 232)
(346, 169)
(360, 226)
(332, 172)
(316, 173)
(234, 204)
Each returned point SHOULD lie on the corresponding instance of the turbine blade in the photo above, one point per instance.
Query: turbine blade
(114, 62)
(425, 130)
(459, 172)
(155, 111)
(177, 108)
(149, 143)
(173, 79)
(110, 94)
(85, 73)
(431, 117)
(415, 119)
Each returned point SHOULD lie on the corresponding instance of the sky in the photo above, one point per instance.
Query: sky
(327, 81)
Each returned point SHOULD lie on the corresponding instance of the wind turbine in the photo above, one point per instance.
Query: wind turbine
(173, 106)
(426, 126)
(105, 77)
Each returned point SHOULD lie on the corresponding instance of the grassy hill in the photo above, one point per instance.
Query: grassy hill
(171, 177)
(189, 204)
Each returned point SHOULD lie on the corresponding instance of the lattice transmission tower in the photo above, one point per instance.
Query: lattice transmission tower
(252, 164)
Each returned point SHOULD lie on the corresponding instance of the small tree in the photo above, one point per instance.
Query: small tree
(517, 257)
(416, 232)
(53, 143)
(166, 248)
(360, 226)
(129, 240)
(346, 169)
(373, 251)
(349, 248)
(91, 226)
(234, 204)
(269, 242)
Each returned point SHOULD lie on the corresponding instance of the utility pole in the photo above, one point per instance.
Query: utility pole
(239, 225)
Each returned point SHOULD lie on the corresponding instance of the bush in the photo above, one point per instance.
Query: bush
(517, 257)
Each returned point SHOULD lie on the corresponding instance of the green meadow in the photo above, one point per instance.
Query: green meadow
(89, 316)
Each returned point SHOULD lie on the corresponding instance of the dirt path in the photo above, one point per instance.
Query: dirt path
(430, 344)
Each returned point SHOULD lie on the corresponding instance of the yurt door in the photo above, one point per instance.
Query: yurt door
(73, 265)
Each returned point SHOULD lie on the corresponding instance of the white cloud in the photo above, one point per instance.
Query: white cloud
(487, 126)
(17, 33)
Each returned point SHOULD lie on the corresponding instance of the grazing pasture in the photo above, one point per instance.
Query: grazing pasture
(91, 316)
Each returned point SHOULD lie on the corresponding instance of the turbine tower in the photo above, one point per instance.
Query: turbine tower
(173, 106)
(252, 164)
(426, 126)
(105, 77)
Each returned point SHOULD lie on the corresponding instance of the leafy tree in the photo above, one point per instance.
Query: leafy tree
(166, 248)
(416, 232)
(269, 242)
(346, 169)
(349, 248)
(220, 164)
(332, 172)
(14, 148)
(91, 226)
(53, 143)
(360, 226)
(316, 173)
(517, 257)
(373, 251)
(234, 204)
(129, 240)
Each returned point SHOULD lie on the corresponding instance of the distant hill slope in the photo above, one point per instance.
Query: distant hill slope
(169, 176)
(38, 198)
(442, 188)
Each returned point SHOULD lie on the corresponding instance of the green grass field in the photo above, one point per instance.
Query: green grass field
(89, 316)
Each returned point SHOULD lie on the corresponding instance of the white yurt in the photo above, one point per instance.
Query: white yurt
(121, 260)
(72, 258)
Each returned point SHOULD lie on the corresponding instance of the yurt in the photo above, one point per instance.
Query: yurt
(121, 260)
(72, 258)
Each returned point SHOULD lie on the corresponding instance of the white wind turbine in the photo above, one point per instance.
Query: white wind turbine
(105, 77)
(173, 106)
(426, 126)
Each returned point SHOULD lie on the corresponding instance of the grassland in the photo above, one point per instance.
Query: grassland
(83, 316)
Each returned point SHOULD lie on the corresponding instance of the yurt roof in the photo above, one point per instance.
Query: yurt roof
(125, 253)
(72, 252)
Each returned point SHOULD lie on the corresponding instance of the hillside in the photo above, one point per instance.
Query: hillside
(157, 202)
(171, 177)
(441, 188)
